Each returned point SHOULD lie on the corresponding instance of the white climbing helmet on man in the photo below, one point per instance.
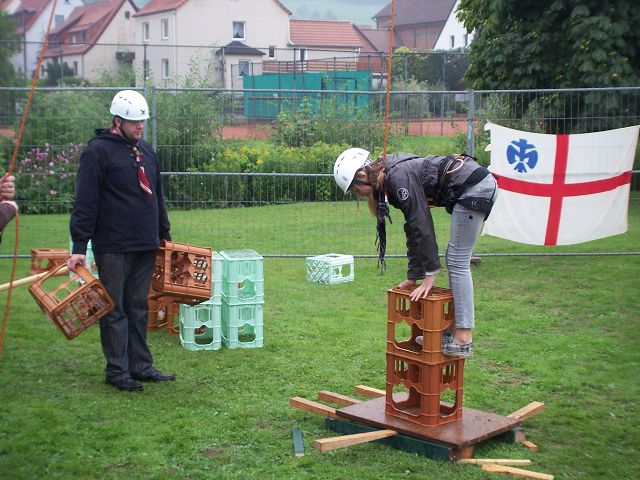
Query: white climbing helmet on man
(129, 105)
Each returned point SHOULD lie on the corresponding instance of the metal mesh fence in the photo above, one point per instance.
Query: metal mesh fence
(226, 153)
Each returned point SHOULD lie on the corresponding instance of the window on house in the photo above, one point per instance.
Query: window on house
(453, 41)
(303, 55)
(75, 68)
(238, 30)
(165, 68)
(58, 20)
(243, 68)
(164, 28)
(272, 51)
(466, 39)
(127, 14)
(145, 31)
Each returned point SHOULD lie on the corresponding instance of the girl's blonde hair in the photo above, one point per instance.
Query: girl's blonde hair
(367, 182)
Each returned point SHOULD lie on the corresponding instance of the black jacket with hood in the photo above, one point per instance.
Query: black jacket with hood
(410, 182)
(110, 208)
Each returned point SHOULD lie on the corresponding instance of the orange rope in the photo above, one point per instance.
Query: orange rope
(34, 81)
(388, 98)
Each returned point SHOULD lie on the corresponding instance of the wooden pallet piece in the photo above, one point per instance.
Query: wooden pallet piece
(405, 443)
(496, 461)
(369, 391)
(474, 427)
(311, 406)
(332, 397)
(333, 443)
(534, 408)
(517, 472)
(529, 445)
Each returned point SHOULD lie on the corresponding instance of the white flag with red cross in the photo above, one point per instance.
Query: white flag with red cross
(560, 189)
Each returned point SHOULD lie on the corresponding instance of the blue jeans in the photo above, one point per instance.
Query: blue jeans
(466, 225)
(123, 331)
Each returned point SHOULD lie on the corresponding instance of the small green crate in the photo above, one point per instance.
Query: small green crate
(330, 269)
(242, 325)
(201, 326)
(242, 277)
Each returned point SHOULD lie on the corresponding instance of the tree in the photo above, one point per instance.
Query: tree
(9, 45)
(552, 43)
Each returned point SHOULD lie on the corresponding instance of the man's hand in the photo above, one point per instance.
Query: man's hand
(75, 260)
(422, 290)
(7, 187)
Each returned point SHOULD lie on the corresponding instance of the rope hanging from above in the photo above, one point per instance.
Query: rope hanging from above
(383, 208)
(16, 148)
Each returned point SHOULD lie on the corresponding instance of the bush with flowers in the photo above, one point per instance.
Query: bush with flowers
(46, 179)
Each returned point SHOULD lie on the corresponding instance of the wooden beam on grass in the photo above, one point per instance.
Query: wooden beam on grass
(311, 406)
(530, 410)
(328, 444)
(327, 396)
(369, 391)
(496, 461)
(530, 445)
(517, 472)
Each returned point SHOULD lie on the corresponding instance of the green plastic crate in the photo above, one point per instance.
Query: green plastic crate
(242, 325)
(242, 277)
(201, 326)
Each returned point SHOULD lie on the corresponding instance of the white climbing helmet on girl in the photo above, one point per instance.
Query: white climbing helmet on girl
(347, 164)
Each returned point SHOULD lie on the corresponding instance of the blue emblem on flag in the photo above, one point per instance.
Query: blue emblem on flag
(522, 154)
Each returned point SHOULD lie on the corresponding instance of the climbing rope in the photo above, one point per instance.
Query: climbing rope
(388, 96)
(16, 148)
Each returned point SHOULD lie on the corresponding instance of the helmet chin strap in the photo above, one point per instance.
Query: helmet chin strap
(121, 132)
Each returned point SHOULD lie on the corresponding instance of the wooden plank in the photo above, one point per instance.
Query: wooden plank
(327, 396)
(434, 451)
(496, 461)
(530, 410)
(517, 472)
(311, 406)
(298, 446)
(369, 391)
(530, 445)
(328, 444)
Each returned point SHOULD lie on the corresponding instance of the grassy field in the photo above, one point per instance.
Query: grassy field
(561, 330)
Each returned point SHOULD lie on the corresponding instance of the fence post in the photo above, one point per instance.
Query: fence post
(154, 137)
(470, 118)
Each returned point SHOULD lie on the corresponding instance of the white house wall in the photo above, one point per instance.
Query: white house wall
(453, 28)
(35, 35)
(209, 24)
(118, 34)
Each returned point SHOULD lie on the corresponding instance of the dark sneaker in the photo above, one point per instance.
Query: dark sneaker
(126, 384)
(156, 376)
(446, 338)
(456, 350)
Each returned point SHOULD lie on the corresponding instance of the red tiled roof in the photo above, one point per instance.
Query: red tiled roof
(378, 38)
(324, 33)
(32, 9)
(157, 6)
(91, 19)
(411, 12)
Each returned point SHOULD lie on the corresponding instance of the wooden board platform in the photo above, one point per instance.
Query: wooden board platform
(474, 427)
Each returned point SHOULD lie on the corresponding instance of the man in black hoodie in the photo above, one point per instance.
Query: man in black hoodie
(119, 207)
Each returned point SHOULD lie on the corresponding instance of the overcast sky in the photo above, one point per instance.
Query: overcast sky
(357, 11)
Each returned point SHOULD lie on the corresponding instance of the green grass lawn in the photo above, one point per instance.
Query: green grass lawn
(561, 330)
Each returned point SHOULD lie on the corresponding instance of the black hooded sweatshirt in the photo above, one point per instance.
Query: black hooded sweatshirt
(110, 208)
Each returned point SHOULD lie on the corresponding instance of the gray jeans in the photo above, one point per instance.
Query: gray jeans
(466, 225)
(123, 331)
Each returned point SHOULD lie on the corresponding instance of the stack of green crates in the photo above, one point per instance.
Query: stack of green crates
(242, 299)
(201, 325)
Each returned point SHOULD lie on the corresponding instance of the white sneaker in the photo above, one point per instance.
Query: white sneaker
(419, 340)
